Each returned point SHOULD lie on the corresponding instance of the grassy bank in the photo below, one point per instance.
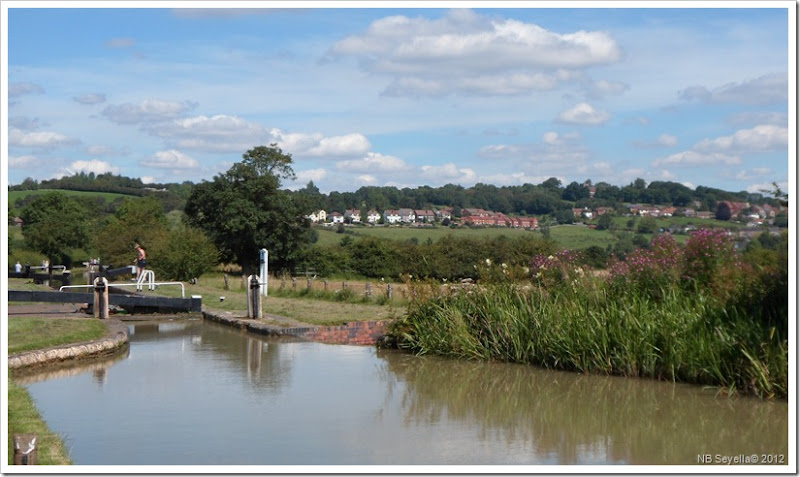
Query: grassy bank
(25, 334)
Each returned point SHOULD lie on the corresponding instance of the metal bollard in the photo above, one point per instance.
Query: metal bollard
(25, 449)
(101, 298)
(253, 298)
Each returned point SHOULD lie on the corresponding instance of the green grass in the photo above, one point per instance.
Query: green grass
(24, 418)
(316, 308)
(25, 333)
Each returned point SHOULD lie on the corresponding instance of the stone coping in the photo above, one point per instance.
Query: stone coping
(113, 342)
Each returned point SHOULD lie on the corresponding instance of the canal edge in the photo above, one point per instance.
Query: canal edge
(353, 333)
(115, 341)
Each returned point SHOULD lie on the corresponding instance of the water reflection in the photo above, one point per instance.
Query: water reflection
(589, 419)
(193, 392)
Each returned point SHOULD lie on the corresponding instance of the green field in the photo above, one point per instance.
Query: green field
(575, 237)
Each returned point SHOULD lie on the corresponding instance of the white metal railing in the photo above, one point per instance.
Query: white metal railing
(153, 284)
(148, 275)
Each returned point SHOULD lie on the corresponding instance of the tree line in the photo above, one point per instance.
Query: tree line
(246, 208)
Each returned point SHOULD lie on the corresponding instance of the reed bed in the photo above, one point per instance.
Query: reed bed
(589, 328)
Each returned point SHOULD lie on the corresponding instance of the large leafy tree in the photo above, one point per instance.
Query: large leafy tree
(139, 220)
(53, 224)
(244, 210)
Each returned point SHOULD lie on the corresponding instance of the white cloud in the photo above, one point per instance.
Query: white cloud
(317, 145)
(19, 89)
(374, 162)
(469, 53)
(755, 173)
(448, 173)
(759, 138)
(367, 179)
(603, 88)
(93, 165)
(90, 98)
(767, 89)
(310, 175)
(585, 114)
(696, 158)
(149, 180)
(149, 110)
(21, 161)
(170, 159)
(220, 133)
(39, 139)
(664, 140)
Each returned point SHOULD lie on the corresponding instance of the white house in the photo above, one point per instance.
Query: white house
(424, 215)
(354, 215)
(318, 216)
(337, 218)
(373, 216)
(391, 216)
(407, 215)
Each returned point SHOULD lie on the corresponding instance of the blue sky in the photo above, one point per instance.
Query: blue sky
(405, 96)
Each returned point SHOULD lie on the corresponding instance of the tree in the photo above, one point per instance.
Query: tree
(724, 211)
(183, 254)
(244, 210)
(605, 222)
(140, 220)
(53, 224)
(647, 225)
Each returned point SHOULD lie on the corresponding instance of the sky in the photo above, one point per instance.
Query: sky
(383, 94)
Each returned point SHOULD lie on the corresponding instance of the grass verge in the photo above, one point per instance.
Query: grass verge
(25, 333)
(23, 418)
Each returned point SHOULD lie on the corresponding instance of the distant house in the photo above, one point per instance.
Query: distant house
(318, 216)
(472, 212)
(424, 216)
(373, 217)
(524, 222)
(603, 210)
(18, 221)
(584, 212)
(337, 218)
(391, 216)
(444, 213)
(407, 215)
(353, 215)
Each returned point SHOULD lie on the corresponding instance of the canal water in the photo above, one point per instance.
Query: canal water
(196, 393)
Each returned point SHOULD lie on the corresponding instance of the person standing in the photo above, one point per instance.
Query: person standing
(17, 267)
(141, 261)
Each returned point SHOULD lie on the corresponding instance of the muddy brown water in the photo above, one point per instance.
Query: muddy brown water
(198, 393)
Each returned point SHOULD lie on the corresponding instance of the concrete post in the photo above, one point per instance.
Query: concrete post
(389, 291)
(369, 289)
(101, 298)
(25, 449)
(294, 284)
